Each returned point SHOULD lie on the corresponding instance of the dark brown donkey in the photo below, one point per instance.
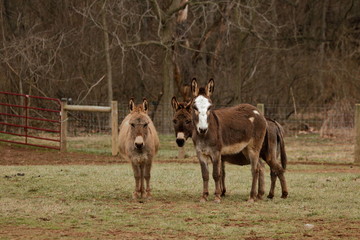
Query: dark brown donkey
(235, 129)
(272, 147)
(138, 143)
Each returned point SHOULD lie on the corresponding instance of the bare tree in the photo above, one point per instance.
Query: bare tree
(255, 50)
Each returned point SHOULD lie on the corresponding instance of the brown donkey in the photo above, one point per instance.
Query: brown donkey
(272, 147)
(138, 143)
(235, 129)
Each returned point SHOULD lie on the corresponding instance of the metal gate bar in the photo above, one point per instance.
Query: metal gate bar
(26, 117)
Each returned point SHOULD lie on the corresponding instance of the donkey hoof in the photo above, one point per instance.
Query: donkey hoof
(217, 200)
(148, 195)
(270, 196)
(284, 195)
(203, 199)
(250, 200)
(136, 195)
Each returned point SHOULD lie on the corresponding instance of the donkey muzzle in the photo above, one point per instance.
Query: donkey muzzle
(139, 145)
(180, 142)
(202, 130)
(180, 139)
(139, 142)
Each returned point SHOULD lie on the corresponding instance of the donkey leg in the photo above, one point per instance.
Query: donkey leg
(274, 170)
(254, 159)
(275, 167)
(284, 190)
(273, 182)
(261, 187)
(147, 176)
(137, 176)
(142, 182)
(217, 169)
(223, 187)
(205, 177)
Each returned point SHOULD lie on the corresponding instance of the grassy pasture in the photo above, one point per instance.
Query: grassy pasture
(94, 201)
(308, 148)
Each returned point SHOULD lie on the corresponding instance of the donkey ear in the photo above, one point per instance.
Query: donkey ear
(145, 105)
(209, 89)
(194, 87)
(174, 103)
(131, 104)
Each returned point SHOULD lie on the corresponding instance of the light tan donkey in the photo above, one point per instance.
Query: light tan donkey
(138, 143)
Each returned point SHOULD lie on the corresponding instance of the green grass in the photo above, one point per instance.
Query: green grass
(308, 148)
(101, 144)
(312, 148)
(94, 202)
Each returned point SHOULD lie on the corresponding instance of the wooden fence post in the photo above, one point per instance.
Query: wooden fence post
(357, 134)
(114, 127)
(261, 108)
(63, 134)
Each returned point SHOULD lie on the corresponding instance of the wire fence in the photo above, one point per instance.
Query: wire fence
(335, 121)
(328, 122)
(91, 131)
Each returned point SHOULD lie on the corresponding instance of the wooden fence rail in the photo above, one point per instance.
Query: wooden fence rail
(113, 109)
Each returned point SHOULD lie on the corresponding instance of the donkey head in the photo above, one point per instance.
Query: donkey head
(182, 121)
(201, 105)
(139, 122)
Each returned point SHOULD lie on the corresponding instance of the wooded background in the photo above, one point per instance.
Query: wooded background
(286, 52)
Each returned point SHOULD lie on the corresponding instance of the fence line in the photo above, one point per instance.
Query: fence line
(113, 109)
(340, 121)
(316, 119)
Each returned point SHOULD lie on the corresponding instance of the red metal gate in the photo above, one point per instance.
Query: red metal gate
(35, 121)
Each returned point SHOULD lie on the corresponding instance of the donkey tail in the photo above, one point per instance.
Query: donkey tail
(280, 140)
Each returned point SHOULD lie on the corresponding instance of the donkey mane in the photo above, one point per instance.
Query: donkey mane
(138, 109)
(202, 91)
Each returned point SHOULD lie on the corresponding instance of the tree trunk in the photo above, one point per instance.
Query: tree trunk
(322, 46)
(167, 24)
(275, 46)
(107, 56)
(168, 89)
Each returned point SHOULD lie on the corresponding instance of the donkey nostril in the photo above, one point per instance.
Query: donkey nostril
(202, 130)
(138, 145)
(180, 142)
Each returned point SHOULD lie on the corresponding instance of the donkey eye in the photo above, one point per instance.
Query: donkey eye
(145, 125)
(133, 125)
(175, 121)
(187, 121)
